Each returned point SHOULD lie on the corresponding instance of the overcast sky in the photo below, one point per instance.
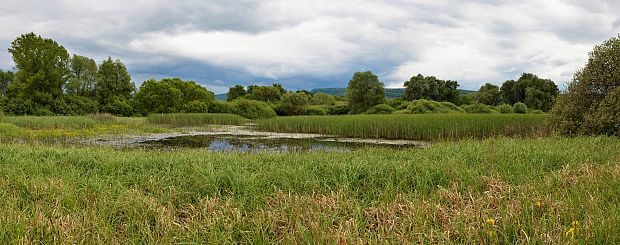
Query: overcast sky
(321, 43)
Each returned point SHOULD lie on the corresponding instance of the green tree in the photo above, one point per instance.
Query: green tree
(5, 80)
(42, 67)
(158, 97)
(488, 94)
(82, 76)
(264, 93)
(113, 80)
(323, 99)
(294, 103)
(364, 91)
(431, 88)
(590, 105)
(535, 92)
(237, 91)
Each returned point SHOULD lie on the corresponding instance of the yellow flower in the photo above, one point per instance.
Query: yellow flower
(491, 221)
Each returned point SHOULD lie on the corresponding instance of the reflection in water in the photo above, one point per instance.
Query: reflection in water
(225, 143)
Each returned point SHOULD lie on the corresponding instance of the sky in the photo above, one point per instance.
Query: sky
(321, 43)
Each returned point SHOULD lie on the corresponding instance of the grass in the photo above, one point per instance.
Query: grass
(413, 127)
(195, 119)
(552, 190)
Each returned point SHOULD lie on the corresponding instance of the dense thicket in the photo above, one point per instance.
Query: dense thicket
(431, 88)
(591, 104)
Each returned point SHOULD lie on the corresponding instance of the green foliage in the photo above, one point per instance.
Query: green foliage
(119, 106)
(6, 78)
(235, 92)
(488, 94)
(265, 93)
(428, 106)
(478, 109)
(431, 88)
(520, 108)
(19, 106)
(113, 80)
(504, 109)
(535, 92)
(316, 110)
(195, 119)
(158, 97)
(340, 108)
(294, 103)
(380, 109)
(412, 127)
(323, 99)
(220, 107)
(252, 109)
(50, 122)
(41, 67)
(82, 77)
(196, 107)
(364, 91)
(589, 106)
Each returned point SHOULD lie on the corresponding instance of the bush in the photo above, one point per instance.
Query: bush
(428, 106)
(119, 106)
(196, 107)
(9, 130)
(252, 109)
(316, 110)
(478, 109)
(340, 108)
(380, 109)
(520, 108)
(589, 103)
(504, 109)
(19, 107)
(535, 111)
(78, 105)
(220, 107)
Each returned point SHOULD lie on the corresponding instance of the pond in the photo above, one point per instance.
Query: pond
(254, 144)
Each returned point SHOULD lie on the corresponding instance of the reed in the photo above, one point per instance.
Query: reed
(195, 119)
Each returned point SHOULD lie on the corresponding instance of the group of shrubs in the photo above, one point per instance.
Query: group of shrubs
(423, 106)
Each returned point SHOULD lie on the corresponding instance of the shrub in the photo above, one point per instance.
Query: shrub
(220, 107)
(520, 108)
(428, 106)
(340, 108)
(118, 106)
(478, 109)
(252, 109)
(588, 105)
(196, 107)
(294, 103)
(9, 130)
(316, 110)
(504, 109)
(79, 105)
(380, 109)
(18, 106)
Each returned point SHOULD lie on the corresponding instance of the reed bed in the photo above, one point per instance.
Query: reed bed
(431, 127)
(51, 122)
(495, 191)
(195, 119)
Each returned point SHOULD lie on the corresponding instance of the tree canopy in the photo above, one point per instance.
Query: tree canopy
(535, 92)
(488, 94)
(364, 91)
(421, 87)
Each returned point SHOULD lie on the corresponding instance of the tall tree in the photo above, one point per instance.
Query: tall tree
(364, 91)
(6, 77)
(82, 76)
(488, 94)
(431, 88)
(113, 80)
(42, 67)
(591, 104)
(294, 103)
(535, 92)
(235, 92)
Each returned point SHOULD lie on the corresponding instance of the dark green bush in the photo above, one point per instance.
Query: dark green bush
(119, 106)
(478, 109)
(196, 107)
(520, 108)
(316, 110)
(252, 109)
(340, 108)
(220, 107)
(423, 106)
(504, 109)
(380, 109)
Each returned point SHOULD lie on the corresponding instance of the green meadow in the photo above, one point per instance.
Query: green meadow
(485, 179)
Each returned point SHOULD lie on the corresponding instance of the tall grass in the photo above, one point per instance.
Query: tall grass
(412, 127)
(195, 119)
(51, 122)
(500, 191)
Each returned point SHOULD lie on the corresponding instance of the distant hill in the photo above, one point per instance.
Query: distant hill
(390, 93)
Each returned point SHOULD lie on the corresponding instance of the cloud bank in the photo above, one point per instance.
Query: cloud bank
(308, 44)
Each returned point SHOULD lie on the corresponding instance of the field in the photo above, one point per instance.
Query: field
(484, 187)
